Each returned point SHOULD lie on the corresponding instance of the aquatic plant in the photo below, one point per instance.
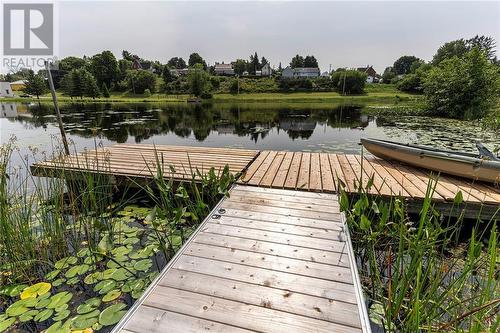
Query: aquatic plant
(417, 274)
(74, 256)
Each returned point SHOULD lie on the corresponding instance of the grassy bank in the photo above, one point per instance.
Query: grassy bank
(374, 93)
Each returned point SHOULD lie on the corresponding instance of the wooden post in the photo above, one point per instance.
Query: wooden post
(54, 99)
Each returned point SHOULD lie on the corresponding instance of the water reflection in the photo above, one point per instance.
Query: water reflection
(120, 122)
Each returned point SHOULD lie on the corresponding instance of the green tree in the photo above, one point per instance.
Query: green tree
(91, 89)
(240, 65)
(104, 67)
(198, 80)
(297, 61)
(254, 64)
(349, 81)
(483, 43)
(403, 64)
(167, 75)
(456, 48)
(105, 90)
(410, 83)
(35, 85)
(263, 61)
(147, 93)
(388, 75)
(177, 63)
(195, 58)
(465, 87)
(124, 65)
(310, 61)
(139, 81)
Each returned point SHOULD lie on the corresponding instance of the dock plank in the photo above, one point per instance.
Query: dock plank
(271, 262)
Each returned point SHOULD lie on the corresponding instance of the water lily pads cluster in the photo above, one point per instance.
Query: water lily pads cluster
(114, 274)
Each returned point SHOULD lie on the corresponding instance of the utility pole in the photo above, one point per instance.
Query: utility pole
(56, 107)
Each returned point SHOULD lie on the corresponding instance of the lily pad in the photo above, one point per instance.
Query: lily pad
(105, 286)
(112, 295)
(42, 304)
(84, 321)
(16, 309)
(58, 327)
(65, 262)
(89, 306)
(120, 274)
(28, 315)
(77, 270)
(133, 285)
(58, 282)
(52, 275)
(59, 299)
(112, 314)
(61, 315)
(43, 315)
(36, 290)
(93, 278)
(12, 290)
(143, 265)
(6, 323)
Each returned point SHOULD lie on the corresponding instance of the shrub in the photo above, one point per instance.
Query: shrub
(410, 83)
(349, 82)
(233, 88)
(465, 88)
(138, 81)
(147, 93)
(295, 84)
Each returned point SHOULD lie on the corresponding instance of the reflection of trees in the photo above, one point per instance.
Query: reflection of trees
(117, 122)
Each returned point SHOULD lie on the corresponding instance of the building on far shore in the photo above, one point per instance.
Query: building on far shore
(266, 70)
(373, 77)
(6, 90)
(223, 69)
(18, 85)
(289, 72)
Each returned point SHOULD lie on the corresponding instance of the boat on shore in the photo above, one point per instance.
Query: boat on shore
(468, 165)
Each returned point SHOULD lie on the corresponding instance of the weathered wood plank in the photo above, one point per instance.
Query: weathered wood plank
(268, 178)
(239, 314)
(304, 172)
(300, 304)
(327, 173)
(279, 180)
(293, 174)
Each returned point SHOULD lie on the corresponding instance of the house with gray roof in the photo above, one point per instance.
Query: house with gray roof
(311, 72)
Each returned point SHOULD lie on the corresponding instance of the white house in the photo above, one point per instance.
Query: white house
(289, 72)
(223, 69)
(8, 110)
(266, 70)
(5, 90)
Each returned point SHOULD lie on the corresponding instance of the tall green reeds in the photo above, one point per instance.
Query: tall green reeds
(417, 275)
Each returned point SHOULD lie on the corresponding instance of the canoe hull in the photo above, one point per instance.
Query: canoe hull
(444, 162)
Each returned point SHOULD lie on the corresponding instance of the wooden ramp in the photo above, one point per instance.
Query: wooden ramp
(320, 172)
(140, 161)
(265, 260)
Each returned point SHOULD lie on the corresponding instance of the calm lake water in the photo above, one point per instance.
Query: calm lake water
(298, 126)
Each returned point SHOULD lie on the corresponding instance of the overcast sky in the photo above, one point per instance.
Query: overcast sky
(343, 34)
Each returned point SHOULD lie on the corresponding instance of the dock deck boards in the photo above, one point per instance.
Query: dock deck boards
(140, 161)
(320, 172)
(274, 261)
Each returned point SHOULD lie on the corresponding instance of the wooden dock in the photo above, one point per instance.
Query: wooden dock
(276, 255)
(265, 260)
(321, 172)
(139, 161)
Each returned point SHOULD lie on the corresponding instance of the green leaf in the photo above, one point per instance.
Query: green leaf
(58, 327)
(6, 323)
(42, 303)
(52, 275)
(105, 245)
(36, 290)
(89, 306)
(105, 286)
(65, 262)
(43, 315)
(59, 299)
(61, 315)
(77, 270)
(16, 309)
(112, 295)
(365, 223)
(458, 198)
(143, 265)
(28, 315)
(112, 314)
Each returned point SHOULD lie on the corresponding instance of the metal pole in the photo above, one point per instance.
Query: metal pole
(54, 99)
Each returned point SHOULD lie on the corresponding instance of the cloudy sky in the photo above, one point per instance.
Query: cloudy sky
(343, 34)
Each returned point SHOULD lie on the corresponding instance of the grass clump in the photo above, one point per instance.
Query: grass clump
(419, 273)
